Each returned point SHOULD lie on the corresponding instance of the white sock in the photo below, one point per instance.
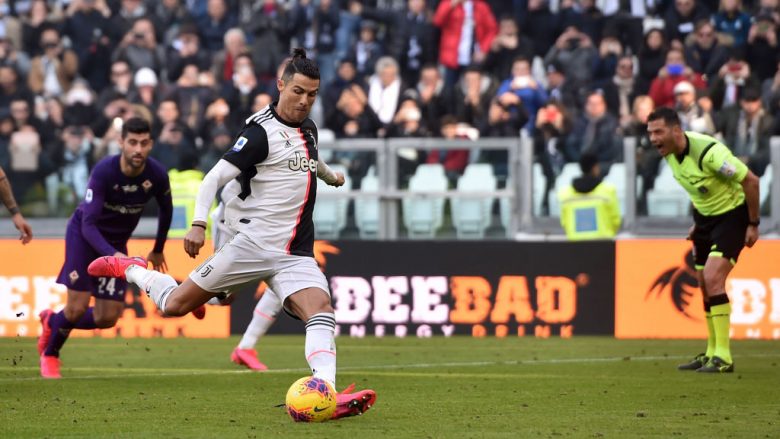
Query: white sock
(158, 286)
(263, 317)
(320, 346)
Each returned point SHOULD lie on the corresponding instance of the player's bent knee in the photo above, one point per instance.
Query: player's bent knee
(74, 311)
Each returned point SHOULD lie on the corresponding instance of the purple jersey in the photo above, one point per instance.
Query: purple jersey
(114, 202)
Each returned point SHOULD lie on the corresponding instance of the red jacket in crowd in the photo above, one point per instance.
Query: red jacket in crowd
(662, 89)
(450, 20)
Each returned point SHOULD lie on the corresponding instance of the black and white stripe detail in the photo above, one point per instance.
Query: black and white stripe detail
(261, 116)
(323, 320)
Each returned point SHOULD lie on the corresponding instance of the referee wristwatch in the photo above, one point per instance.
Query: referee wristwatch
(754, 223)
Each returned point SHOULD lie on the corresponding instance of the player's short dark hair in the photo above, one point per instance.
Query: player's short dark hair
(588, 160)
(668, 115)
(300, 64)
(135, 125)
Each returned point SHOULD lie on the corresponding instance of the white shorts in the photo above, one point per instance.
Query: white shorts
(240, 261)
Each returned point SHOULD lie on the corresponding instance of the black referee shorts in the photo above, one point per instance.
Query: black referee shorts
(720, 235)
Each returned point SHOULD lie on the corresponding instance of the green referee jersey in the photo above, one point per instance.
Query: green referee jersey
(710, 174)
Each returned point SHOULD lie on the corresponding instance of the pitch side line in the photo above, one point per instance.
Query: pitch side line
(164, 372)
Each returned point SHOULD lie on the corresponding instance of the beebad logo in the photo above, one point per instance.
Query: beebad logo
(657, 295)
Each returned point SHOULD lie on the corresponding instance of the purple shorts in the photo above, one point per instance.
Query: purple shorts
(78, 255)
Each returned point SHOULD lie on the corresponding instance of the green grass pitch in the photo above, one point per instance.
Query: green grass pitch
(440, 387)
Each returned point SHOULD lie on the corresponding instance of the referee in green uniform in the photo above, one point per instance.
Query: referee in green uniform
(725, 198)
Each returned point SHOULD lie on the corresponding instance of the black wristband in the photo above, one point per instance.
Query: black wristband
(199, 225)
(754, 223)
(14, 210)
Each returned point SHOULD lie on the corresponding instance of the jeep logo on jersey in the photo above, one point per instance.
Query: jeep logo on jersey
(239, 144)
(301, 163)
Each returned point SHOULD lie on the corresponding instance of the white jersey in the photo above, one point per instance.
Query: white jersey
(278, 187)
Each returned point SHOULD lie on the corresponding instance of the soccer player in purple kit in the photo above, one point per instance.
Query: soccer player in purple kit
(119, 187)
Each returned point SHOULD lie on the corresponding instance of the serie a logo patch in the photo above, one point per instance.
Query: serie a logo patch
(239, 145)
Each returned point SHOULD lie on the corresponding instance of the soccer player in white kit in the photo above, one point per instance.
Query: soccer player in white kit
(275, 161)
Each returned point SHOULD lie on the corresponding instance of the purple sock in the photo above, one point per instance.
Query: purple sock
(87, 320)
(60, 330)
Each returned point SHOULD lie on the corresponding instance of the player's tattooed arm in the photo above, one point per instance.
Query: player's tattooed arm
(328, 175)
(7, 196)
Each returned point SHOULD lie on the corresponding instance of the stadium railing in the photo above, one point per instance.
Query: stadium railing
(522, 224)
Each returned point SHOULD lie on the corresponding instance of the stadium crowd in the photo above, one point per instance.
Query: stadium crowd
(577, 75)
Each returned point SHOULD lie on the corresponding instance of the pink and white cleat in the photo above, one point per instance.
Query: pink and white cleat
(353, 404)
(50, 367)
(112, 266)
(43, 340)
(248, 358)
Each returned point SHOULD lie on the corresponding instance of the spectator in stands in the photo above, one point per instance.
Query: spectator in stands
(346, 75)
(186, 50)
(747, 128)
(193, 91)
(502, 121)
(705, 54)
(435, 97)
(762, 47)
(619, 90)
(326, 24)
(87, 26)
(589, 206)
(732, 21)
(768, 7)
(367, 50)
(595, 132)
(121, 79)
(242, 90)
(553, 125)
(508, 45)
(561, 90)
(472, 97)
(122, 21)
(269, 26)
(692, 116)
(23, 115)
(221, 140)
(681, 18)
(223, 61)
(168, 16)
(76, 159)
(11, 57)
(672, 73)
(215, 24)
(541, 25)
(31, 27)
(217, 116)
(411, 36)
(467, 31)
(145, 91)
(585, 15)
(11, 88)
(770, 95)
(733, 77)
(384, 89)
(532, 96)
(139, 47)
(651, 57)
(575, 52)
(261, 101)
(172, 144)
(647, 157)
(605, 64)
(52, 73)
(353, 117)
(11, 25)
(408, 122)
(453, 160)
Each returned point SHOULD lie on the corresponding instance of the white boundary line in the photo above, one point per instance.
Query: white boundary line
(170, 372)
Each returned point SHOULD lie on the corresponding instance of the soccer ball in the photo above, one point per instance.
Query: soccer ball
(310, 400)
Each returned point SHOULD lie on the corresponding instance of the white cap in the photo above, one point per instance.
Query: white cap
(145, 77)
(684, 87)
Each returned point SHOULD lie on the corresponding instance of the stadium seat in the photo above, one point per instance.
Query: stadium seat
(667, 198)
(472, 216)
(617, 176)
(367, 209)
(569, 172)
(424, 215)
(330, 214)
